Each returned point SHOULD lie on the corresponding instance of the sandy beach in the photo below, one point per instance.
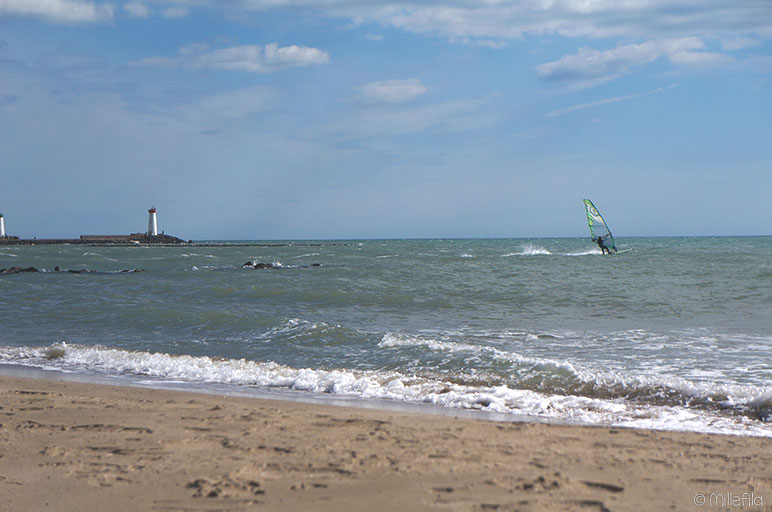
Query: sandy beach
(72, 446)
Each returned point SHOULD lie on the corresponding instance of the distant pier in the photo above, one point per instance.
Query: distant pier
(142, 239)
(128, 240)
(150, 237)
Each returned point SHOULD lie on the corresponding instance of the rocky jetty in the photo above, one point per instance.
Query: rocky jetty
(257, 264)
(260, 265)
(158, 239)
(20, 270)
(133, 239)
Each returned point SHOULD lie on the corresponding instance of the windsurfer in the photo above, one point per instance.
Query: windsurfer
(603, 248)
(599, 230)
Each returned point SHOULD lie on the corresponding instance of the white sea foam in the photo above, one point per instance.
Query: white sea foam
(293, 327)
(588, 252)
(726, 395)
(532, 250)
(528, 250)
(389, 385)
(99, 255)
(397, 340)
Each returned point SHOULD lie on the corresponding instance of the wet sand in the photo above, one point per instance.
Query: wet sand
(70, 446)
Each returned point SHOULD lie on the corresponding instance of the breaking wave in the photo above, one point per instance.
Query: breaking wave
(608, 399)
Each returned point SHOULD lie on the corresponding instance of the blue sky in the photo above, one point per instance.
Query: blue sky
(282, 119)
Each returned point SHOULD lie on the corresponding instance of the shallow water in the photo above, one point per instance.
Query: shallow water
(675, 334)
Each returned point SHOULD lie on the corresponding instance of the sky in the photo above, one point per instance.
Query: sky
(341, 119)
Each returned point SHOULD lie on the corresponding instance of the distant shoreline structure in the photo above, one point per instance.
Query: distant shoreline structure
(141, 240)
(150, 237)
(127, 240)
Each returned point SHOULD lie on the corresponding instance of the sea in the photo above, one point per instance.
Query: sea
(675, 334)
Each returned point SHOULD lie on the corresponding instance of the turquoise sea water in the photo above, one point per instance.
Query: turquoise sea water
(675, 334)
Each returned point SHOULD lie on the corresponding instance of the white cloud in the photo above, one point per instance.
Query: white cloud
(490, 20)
(58, 11)
(739, 43)
(140, 10)
(465, 20)
(175, 12)
(252, 58)
(486, 43)
(392, 91)
(593, 66)
(700, 59)
(137, 10)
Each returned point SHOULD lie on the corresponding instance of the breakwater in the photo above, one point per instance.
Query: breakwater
(160, 240)
(128, 240)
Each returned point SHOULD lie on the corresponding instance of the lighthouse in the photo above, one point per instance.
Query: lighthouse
(152, 223)
(2, 226)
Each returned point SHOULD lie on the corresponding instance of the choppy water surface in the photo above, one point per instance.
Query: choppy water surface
(675, 334)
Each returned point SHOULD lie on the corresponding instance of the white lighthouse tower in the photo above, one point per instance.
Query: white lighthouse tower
(2, 226)
(152, 223)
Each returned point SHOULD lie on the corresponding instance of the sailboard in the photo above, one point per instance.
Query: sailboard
(599, 230)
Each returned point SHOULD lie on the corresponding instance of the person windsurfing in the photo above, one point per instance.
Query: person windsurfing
(599, 230)
(603, 248)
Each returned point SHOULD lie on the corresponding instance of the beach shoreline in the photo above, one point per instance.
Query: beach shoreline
(281, 394)
(69, 445)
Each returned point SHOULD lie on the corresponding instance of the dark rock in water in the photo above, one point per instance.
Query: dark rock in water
(18, 270)
(156, 239)
(257, 264)
(90, 271)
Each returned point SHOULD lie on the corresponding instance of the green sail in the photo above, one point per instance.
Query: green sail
(598, 227)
